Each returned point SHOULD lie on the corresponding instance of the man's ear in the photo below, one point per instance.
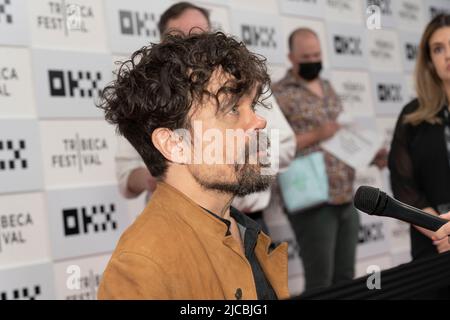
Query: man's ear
(169, 144)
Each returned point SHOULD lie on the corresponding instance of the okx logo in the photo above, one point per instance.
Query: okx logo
(436, 11)
(5, 15)
(260, 36)
(389, 92)
(24, 293)
(134, 23)
(85, 220)
(411, 51)
(11, 157)
(370, 232)
(347, 45)
(83, 84)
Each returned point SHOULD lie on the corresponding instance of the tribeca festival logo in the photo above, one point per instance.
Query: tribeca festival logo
(134, 23)
(86, 286)
(409, 11)
(341, 5)
(80, 153)
(5, 16)
(24, 293)
(389, 92)
(11, 157)
(89, 219)
(353, 91)
(7, 75)
(383, 49)
(82, 84)
(11, 227)
(259, 36)
(66, 17)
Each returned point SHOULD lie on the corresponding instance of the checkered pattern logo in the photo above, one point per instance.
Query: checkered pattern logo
(5, 16)
(10, 155)
(138, 23)
(21, 294)
(83, 84)
(411, 51)
(436, 11)
(86, 220)
(389, 92)
(347, 45)
(370, 232)
(261, 36)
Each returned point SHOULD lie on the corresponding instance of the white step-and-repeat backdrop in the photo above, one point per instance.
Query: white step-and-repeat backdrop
(60, 210)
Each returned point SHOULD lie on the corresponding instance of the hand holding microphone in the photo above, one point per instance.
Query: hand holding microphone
(442, 233)
(375, 202)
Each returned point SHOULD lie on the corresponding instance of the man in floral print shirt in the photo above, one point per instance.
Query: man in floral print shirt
(327, 235)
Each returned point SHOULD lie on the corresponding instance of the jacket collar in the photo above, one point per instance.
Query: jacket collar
(173, 200)
(274, 264)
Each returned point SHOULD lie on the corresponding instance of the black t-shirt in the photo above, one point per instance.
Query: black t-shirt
(420, 171)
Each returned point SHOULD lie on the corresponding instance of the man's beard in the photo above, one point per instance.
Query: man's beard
(248, 179)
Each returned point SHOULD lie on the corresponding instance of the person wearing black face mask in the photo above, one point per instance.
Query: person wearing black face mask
(327, 235)
(309, 71)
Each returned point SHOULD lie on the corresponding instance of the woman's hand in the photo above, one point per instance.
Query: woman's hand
(441, 237)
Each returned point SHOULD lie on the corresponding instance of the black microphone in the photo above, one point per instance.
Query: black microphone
(375, 202)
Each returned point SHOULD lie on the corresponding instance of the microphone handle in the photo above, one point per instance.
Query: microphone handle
(419, 218)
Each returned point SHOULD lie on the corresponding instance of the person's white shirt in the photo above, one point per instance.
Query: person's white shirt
(128, 159)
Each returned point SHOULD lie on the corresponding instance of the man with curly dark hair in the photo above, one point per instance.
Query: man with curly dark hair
(189, 243)
(133, 177)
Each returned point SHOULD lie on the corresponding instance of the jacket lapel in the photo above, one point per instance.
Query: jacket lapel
(274, 264)
(232, 270)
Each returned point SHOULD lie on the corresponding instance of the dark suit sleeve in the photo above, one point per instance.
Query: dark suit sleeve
(403, 181)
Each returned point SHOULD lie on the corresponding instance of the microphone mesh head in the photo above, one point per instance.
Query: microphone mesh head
(366, 199)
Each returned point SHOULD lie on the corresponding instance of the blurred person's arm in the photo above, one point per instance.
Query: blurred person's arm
(315, 136)
(403, 182)
(140, 180)
(381, 158)
(132, 174)
(303, 138)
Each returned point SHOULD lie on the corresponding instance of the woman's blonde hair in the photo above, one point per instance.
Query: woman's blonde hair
(429, 87)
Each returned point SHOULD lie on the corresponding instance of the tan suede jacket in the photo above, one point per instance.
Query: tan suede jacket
(175, 250)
